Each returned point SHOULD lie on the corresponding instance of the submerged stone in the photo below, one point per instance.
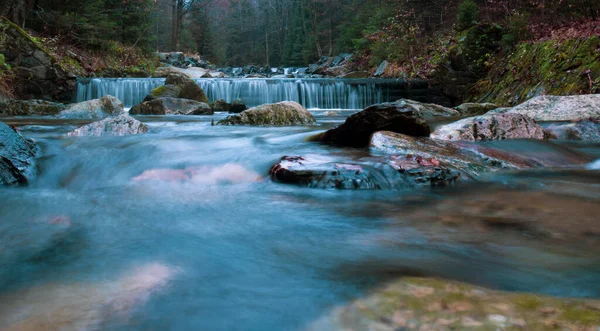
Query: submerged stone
(411, 303)
(581, 130)
(367, 174)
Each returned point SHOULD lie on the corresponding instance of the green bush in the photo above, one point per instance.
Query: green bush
(468, 12)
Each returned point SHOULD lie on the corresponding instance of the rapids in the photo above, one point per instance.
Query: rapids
(250, 254)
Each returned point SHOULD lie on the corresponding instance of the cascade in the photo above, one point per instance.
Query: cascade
(312, 93)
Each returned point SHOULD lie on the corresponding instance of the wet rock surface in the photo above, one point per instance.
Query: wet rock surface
(473, 159)
(103, 107)
(475, 109)
(586, 130)
(178, 86)
(404, 116)
(287, 113)
(16, 153)
(234, 107)
(491, 127)
(122, 125)
(412, 303)
(368, 174)
(171, 106)
(559, 108)
(30, 107)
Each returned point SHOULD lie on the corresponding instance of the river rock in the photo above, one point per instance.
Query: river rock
(581, 130)
(9, 174)
(16, 153)
(491, 127)
(411, 303)
(103, 107)
(121, 125)
(30, 107)
(171, 106)
(560, 108)
(403, 116)
(475, 109)
(83, 306)
(287, 113)
(178, 86)
(381, 173)
(234, 107)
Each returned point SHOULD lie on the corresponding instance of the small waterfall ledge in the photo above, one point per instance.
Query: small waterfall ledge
(312, 93)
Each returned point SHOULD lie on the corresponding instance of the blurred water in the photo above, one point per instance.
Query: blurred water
(252, 255)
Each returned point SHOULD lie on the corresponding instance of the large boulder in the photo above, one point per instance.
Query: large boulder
(473, 159)
(103, 107)
(121, 125)
(171, 106)
(491, 127)
(178, 86)
(16, 156)
(379, 173)
(403, 116)
(559, 108)
(234, 107)
(30, 107)
(285, 113)
(412, 303)
(581, 130)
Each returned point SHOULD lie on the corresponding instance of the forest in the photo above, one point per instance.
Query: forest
(288, 32)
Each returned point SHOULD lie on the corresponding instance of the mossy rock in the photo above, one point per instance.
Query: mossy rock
(287, 113)
(437, 304)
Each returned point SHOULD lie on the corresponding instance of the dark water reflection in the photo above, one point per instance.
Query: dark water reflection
(253, 255)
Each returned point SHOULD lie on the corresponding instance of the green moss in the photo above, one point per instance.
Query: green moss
(159, 91)
(581, 315)
(551, 67)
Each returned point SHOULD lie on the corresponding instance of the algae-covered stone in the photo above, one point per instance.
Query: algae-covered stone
(93, 109)
(287, 113)
(178, 86)
(30, 107)
(491, 127)
(171, 106)
(234, 107)
(122, 125)
(412, 303)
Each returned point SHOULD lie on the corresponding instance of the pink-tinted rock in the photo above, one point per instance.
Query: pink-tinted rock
(491, 127)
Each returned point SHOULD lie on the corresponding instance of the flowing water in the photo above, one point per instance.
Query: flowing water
(310, 92)
(249, 254)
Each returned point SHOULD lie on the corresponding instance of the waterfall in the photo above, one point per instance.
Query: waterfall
(321, 93)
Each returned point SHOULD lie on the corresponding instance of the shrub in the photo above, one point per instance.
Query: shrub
(517, 30)
(467, 15)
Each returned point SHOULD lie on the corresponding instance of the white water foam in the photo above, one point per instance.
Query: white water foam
(594, 165)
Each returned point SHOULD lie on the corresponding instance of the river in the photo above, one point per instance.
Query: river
(249, 254)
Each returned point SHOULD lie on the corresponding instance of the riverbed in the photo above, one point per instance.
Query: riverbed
(247, 253)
